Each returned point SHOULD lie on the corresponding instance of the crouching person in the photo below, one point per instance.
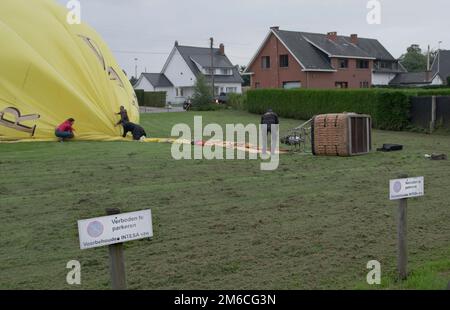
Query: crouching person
(137, 131)
(65, 131)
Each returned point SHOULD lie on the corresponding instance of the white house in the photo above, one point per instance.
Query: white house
(184, 65)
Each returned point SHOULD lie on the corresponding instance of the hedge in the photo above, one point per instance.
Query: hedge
(389, 108)
(151, 99)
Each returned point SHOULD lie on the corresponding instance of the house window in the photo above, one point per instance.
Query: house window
(343, 63)
(341, 84)
(364, 84)
(179, 92)
(231, 90)
(265, 62)
(362, 64)
(386, 65)
(225, 71)
(284, 61)
(292, 85)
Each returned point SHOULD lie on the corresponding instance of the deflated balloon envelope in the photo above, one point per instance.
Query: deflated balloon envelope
(51, 70)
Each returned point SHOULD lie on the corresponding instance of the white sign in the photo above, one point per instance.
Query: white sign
(407, 188)
(116, 228)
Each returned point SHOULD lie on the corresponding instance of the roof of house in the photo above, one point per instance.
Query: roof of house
(443, 62)
(202, 56)
(157, 79)
(412, 78)
(313, 50)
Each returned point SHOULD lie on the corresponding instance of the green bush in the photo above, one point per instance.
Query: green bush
(237, 101)
(208, 107)
(151, 99)
(389, 108)
(140, 96)
(202, 97)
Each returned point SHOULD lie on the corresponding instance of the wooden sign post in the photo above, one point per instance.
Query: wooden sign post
(117, 261)
(402, 189)
(112, 231)
(402, 230)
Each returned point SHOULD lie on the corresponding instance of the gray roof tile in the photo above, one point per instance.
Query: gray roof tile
(202, 56)
(158, 79)
(312, 49)
(411, 78)
(444, 65)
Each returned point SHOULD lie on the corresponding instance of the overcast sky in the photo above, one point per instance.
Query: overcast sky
(147, 29)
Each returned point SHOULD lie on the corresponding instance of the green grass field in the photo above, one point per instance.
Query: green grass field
(312, 224)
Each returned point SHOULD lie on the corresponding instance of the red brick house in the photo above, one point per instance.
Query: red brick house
(289, 59)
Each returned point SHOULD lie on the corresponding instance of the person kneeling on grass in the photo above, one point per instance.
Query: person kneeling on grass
(137, 131)
(65, 130)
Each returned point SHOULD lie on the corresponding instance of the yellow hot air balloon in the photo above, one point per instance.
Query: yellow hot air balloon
(51, 70)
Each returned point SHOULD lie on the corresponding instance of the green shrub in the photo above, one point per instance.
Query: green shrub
(209, 107)
(389, 108)
(151, 99)
(237, 101)
(202, 97)
(140, 96)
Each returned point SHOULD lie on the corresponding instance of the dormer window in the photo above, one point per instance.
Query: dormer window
(218, 71)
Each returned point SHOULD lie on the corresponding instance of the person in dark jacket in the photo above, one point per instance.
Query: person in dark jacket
(123, 116)
(137, 131)
(269, 119)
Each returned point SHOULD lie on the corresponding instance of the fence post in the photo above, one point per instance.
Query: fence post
(433, 114)
(117, 261)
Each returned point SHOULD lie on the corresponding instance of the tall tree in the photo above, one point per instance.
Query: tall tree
(133, 80)
(245, 77)
(202, 92)
(414, 60)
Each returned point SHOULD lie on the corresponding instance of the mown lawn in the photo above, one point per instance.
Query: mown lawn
(312, 224)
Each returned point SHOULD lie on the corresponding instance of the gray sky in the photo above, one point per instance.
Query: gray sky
(147, 29)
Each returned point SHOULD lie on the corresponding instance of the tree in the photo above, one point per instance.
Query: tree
(448, 80)
(202, 92)
(245, 77)
(414, 60)
(133, 80)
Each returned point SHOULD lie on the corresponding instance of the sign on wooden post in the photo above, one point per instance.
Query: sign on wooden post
(113, 230)
(401, 189)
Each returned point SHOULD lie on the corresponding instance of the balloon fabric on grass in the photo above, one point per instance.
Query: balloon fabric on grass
(52, 70)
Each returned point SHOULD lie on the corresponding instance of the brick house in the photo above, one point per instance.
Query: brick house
(289, 59)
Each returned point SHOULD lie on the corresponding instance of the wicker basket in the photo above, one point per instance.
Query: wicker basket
(345, 134)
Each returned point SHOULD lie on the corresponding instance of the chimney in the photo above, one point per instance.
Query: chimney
(332, 36)
(275, 27)
(222, 49)
(354, 38)
(176, 43)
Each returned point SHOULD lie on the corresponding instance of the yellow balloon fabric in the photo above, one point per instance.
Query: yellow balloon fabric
(51, 70)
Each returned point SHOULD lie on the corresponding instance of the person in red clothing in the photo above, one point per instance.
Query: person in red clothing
(65, 130)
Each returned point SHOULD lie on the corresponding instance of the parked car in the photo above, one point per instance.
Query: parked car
(221, 99)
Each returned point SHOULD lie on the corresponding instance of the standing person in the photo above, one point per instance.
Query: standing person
(123, 116)
(137, 131)
(65, 130)
(270, 118)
